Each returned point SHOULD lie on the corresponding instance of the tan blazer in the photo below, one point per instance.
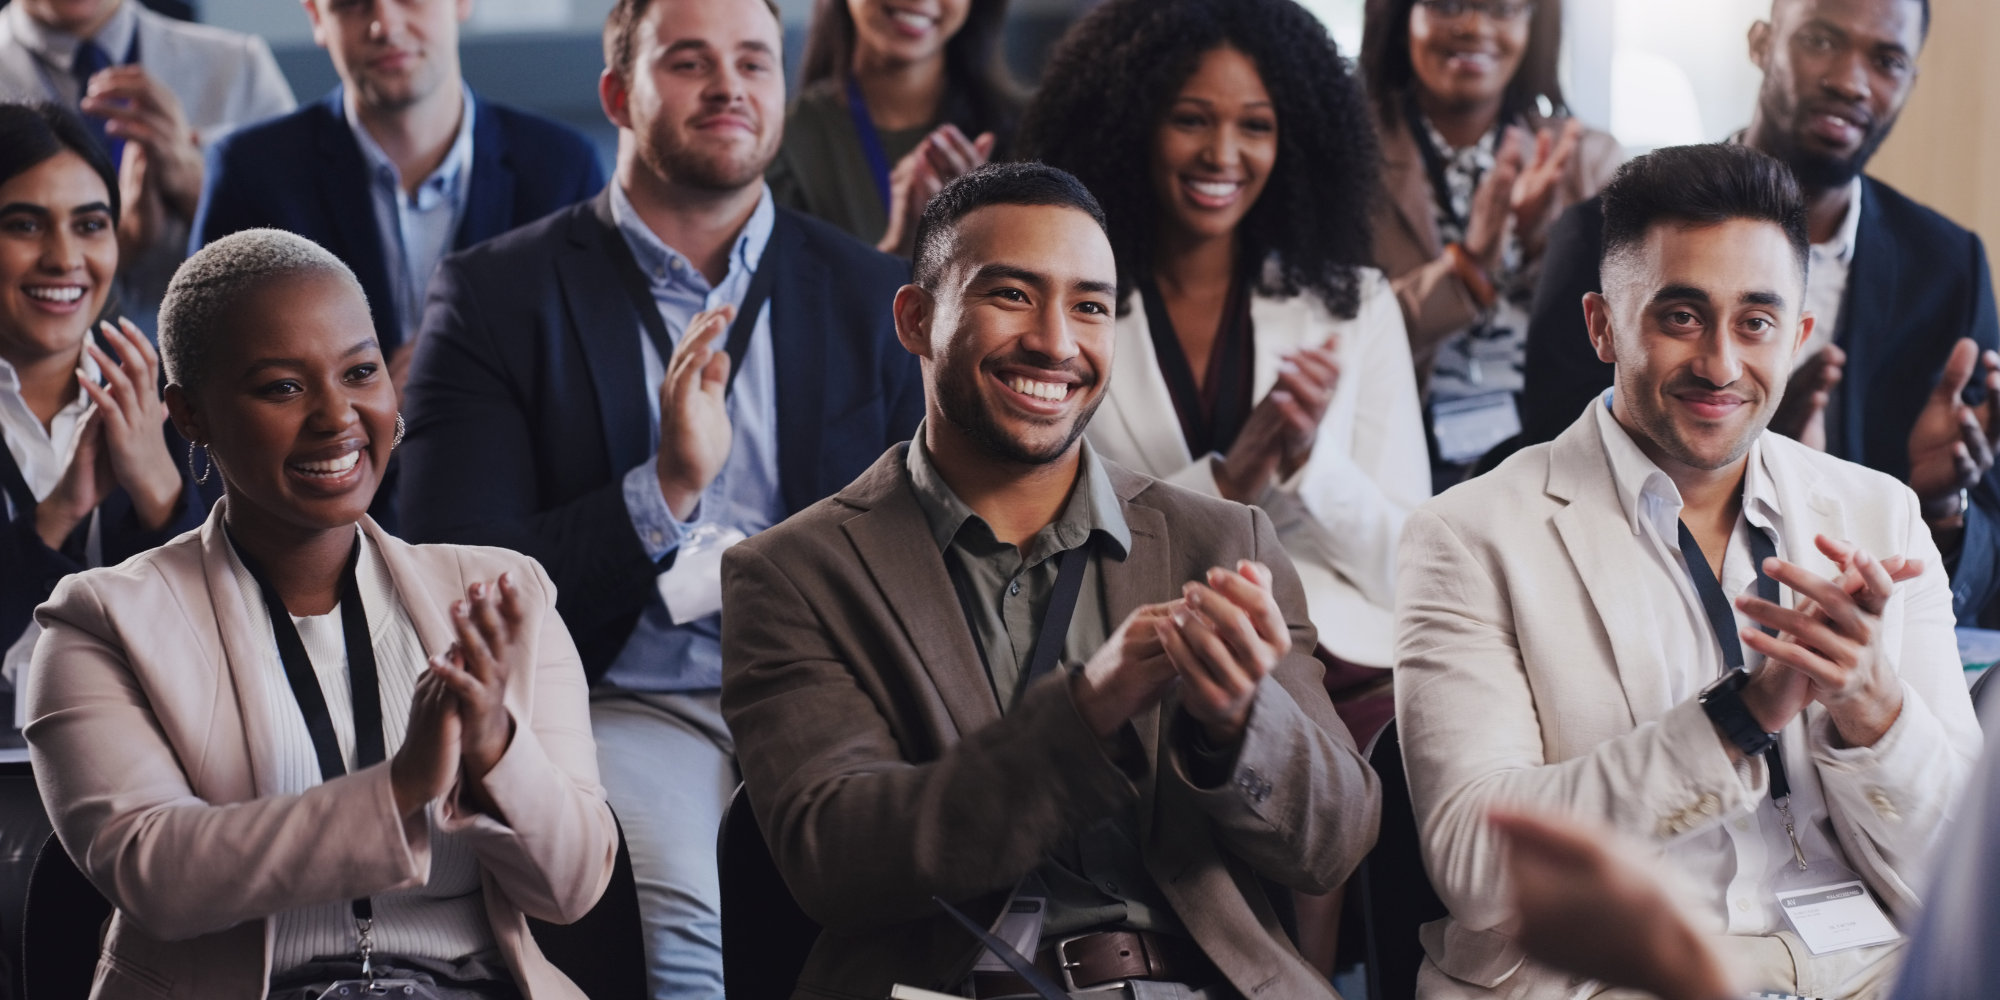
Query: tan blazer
(883, 774)
(1436, 304)
(1525, 678)
(153, 773)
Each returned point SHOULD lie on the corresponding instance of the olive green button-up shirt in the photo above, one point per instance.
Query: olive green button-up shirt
(1097, 879)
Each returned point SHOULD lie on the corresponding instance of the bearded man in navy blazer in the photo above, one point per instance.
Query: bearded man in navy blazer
(624, 388)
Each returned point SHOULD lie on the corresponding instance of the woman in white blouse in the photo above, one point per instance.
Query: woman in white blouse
(290, 748)
(1258, 358)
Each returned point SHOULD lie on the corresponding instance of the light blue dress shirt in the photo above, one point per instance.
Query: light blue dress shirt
(662, 656)
(416, 229)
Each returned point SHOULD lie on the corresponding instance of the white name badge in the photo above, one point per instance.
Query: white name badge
(1469, 427)
(1021, 927)
(692, 589)
(1836, 915)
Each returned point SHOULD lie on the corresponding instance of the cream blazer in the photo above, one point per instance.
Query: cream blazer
(1338, 517)
(1522, 678)
(154, 771)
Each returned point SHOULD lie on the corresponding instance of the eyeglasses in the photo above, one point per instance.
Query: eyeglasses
(1498, 11)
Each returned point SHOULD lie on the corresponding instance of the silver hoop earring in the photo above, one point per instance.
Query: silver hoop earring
(202, 476)
(400, 431)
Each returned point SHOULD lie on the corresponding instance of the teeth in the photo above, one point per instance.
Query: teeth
(1214, 189)
(912, 19)
(62, 293)
(330, 467)
(1053, 391)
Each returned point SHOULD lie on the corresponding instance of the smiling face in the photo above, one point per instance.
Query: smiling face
(1836, 75)
(704, 106)
(1017, 340)
(297, 409)
(58, 254)
(1702, 323)
(80, 18)
(1468, 60)
(1214, 150)
(390, 53)
(900, 32)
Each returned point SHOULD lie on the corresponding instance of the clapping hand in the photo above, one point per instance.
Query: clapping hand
(695, 435)
(120, 443)
(1222, 638)
(1127, 674)
(1277, 439)
(490, 646)
(1801, 413)
(139, 109)
(1830, 648)
(427, 763)
(1953, 443)
(917, 178)
(1520, 188)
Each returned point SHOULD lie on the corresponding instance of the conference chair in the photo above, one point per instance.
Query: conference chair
(604, 952)
(1396, 893)
(61, 929)
(765, 936)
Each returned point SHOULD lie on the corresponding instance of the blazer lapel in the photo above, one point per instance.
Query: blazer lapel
(349, 204)
(1867, 327)
(1408, 187)
(1139, 396)
(248, 651)
(607, 329)
(1282, 327)
(800, 326)
(1602, 547)
(490, 201)
(893, 541)
(1144, 576)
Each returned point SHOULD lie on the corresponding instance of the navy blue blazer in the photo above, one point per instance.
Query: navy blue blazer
(527, 401)
(1918, 283)
(305, 173)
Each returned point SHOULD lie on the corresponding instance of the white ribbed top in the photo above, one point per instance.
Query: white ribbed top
(445, 919)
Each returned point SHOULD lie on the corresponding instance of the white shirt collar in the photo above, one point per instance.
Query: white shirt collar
(1640, 480)
(450, 172)
(1842, 244)
(665, 265)
(58, 48)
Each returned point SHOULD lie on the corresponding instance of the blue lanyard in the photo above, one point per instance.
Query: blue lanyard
(871, 141)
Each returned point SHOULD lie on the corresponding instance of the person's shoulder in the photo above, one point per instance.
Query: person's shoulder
(1189, 514)
(538, 135)
(194, 41)
(1912, 220)
(817, 99)
(1491, 504)
(108, 593)
(528, 243)
(1851, 482)
(818, 525)
(843, 253)
(289, 136)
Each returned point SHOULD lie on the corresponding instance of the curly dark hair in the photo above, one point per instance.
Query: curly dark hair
(1107, 89)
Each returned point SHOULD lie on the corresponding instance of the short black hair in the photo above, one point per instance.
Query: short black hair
(992, 184)
(33, 133)
(1702, 185)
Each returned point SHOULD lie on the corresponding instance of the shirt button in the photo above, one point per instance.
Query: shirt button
(1743, 905)
(1014, 589)
(658, 538)
(676, 264)
(1743, 824)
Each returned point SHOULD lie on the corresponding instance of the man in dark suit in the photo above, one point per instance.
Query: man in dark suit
(399, 165)
(611, 391)
(1902, 297)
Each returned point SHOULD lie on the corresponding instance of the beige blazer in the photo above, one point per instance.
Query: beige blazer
(1436, 304)
(1523, 678)
(154, 773)
(1339, 516)
(883, 774)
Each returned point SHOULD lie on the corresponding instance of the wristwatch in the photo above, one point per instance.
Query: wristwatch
(1723, 701)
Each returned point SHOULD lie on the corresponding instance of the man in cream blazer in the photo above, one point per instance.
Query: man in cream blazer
(1554, 651)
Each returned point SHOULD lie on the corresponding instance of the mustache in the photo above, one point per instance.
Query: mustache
(1085, 375)
(1689, 382)
(1853, 111)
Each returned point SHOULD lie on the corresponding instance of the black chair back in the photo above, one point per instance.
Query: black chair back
(765, 936)
(62, 927)
(604, 952)
(1396, 892)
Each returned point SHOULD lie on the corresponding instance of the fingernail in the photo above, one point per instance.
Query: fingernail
(478, 590)
(1180, 617)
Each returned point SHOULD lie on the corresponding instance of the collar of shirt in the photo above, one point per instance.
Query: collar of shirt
(41, 453)
(1092, 508)
(57, 49)
(1841, 247)
(446, 183)
(1647, 493)
(668, 269)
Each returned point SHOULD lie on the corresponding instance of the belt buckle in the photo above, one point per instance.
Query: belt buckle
(1064, 965)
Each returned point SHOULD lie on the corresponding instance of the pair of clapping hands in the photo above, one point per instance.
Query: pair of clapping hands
(1278, 438)
(120, 444)
(459, 723)
(1217, 642)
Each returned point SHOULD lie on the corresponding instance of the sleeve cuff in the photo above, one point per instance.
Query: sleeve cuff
(1884, 757)
(511, 786)
(658, 530)
(1712, 785)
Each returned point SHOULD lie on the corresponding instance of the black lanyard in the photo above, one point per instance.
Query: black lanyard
(363, 689)
(15, 483)
(1722, 619)
(640, 289)
(871, 141)
(1055, 620)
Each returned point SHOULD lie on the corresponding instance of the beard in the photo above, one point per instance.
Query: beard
(666, 153)
(1813, 169)
(961, 403)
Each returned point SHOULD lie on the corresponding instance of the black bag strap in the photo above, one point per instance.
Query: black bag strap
(640, 290)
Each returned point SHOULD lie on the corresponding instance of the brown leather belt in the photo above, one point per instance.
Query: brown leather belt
(1090, 960)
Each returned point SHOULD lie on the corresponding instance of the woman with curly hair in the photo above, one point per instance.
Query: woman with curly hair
(1260, 358)
(1477, 161)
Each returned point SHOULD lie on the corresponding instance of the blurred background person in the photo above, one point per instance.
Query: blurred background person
(395, 737)
(91, 473)
(1478, 158)
(1903, 296)
(154, 90)
(1260, 358)
(896, 98)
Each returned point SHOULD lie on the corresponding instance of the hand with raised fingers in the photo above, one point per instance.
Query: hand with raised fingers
(1493, 203)
(426, 765)
(1801, 413)
(695, 434)
(143, 111)
(1258, 452)
(1128, 674)
(1223, 637)
(939, 158)
(1308, 377)
(1952, 444)
(133, 421)
(1836, 642)
(491, 644)
(1541, 176)
(85, 482)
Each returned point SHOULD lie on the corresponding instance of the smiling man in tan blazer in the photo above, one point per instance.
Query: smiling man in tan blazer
(1154, 773)
(1566, 642)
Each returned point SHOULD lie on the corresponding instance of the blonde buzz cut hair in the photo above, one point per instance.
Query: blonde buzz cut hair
(218, 277)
